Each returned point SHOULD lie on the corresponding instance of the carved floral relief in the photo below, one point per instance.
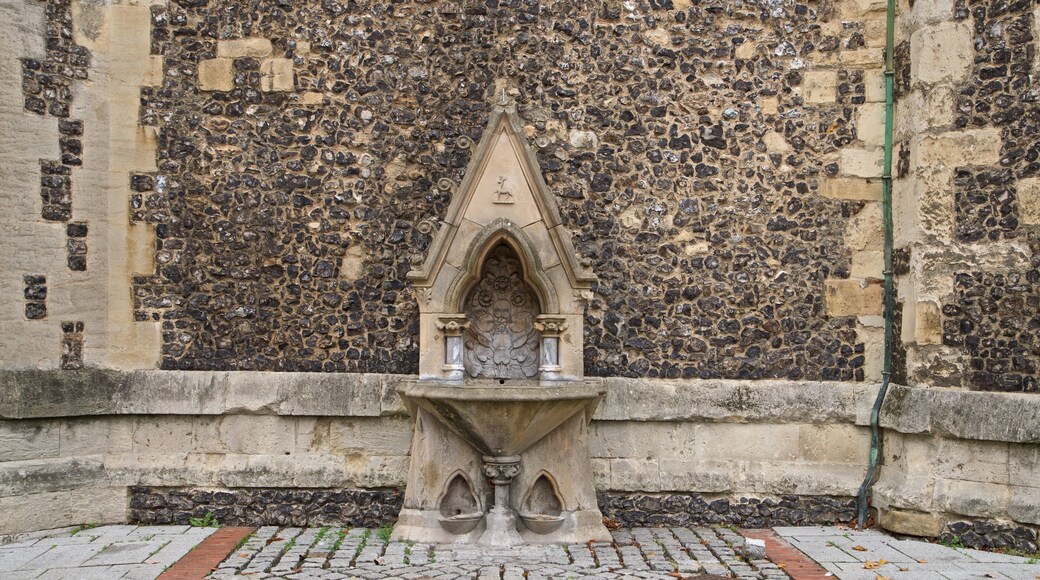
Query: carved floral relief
(501, 341)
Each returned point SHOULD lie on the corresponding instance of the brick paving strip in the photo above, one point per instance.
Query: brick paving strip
(328, 553)
(204, 558)
(787, 557)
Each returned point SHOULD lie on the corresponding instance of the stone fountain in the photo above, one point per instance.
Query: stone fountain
(500, 447)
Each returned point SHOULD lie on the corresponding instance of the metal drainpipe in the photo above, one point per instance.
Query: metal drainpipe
(886, 210)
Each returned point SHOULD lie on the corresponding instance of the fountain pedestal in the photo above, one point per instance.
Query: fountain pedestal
(518, 455)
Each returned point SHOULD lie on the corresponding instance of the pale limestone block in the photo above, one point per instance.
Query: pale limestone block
(874, 79)
(851, 188)
(745, 50)
(874, 31)
(89, 436)
(217, 74)
(312, 434)
(867, 264)
(925, 13)
(864, 230)
(1024, 465)
(858, 9)
(277, 75)
(833, 444)
(941, 52)
(163, 434)
(644, 439)
(862, 58)
(1029, 200)
(749, 441)
(369, 436)
(20, 440)
(312, 98)
(927, 323)
(1024, 506)
(820, 86)
(41, 511)
(971, 498)
(244, 47)
(800, 478)
(775, 142)
(911, 523)
(703, 476)
(861, 162)
(980, 461)
(899, 489)
(950, 150)
(870, 123)
(873, 337)
(852, 298)
(769, 105)
(256, 434)
(635, 475)
(543, 244)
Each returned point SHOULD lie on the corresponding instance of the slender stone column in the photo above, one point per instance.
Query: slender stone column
(501, 521)
(550, 328)
(452, 327)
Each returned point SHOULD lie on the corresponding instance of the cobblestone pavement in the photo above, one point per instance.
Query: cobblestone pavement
(869, 555)
(333, 553)
(103, 553)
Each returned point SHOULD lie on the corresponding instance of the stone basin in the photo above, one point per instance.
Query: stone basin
(502, 418)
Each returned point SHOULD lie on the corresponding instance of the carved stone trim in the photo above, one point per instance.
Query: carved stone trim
(453, 325)
(550, 326)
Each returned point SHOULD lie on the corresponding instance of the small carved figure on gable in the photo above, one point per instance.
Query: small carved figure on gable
(504, 193)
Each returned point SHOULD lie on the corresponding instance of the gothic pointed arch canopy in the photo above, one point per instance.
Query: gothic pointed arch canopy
(502, 201)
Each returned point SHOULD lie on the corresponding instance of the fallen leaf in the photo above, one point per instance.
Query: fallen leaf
(904, 569)
(782, 565)
(859, 548)
(869, 565)
(883, 578)
(922, 561)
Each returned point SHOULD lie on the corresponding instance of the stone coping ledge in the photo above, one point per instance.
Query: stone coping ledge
(1010, 417)
(37, 394)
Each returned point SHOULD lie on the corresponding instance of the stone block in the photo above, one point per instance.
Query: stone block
(927, 323)
(874, 79)
(950, 150)
(163, 434)
(216, 74)
(852, 298)
(870, 123)
(911, 523)
(981, 461)
(820, 86)
(862, 58)
(861, 162)
(833, 444)
(703, 476)
(857, 9)
(21, 440)
(277, 75)
(379, 436)
(942, 52)
(1024, 506)
(971, 498)
(1024, 465)
(752, 442)
(867, 264)
(1029, 200)
(851, 188)
(43, 511)
(89, 436)
(635, 475)
(865, 229)
(244, 47)
(253, 434)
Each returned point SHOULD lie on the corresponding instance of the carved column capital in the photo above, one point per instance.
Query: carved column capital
(501, 470)
(452, 325)
(550, 326)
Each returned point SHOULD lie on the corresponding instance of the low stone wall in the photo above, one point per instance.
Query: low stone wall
(961, 465)
(105, 446)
